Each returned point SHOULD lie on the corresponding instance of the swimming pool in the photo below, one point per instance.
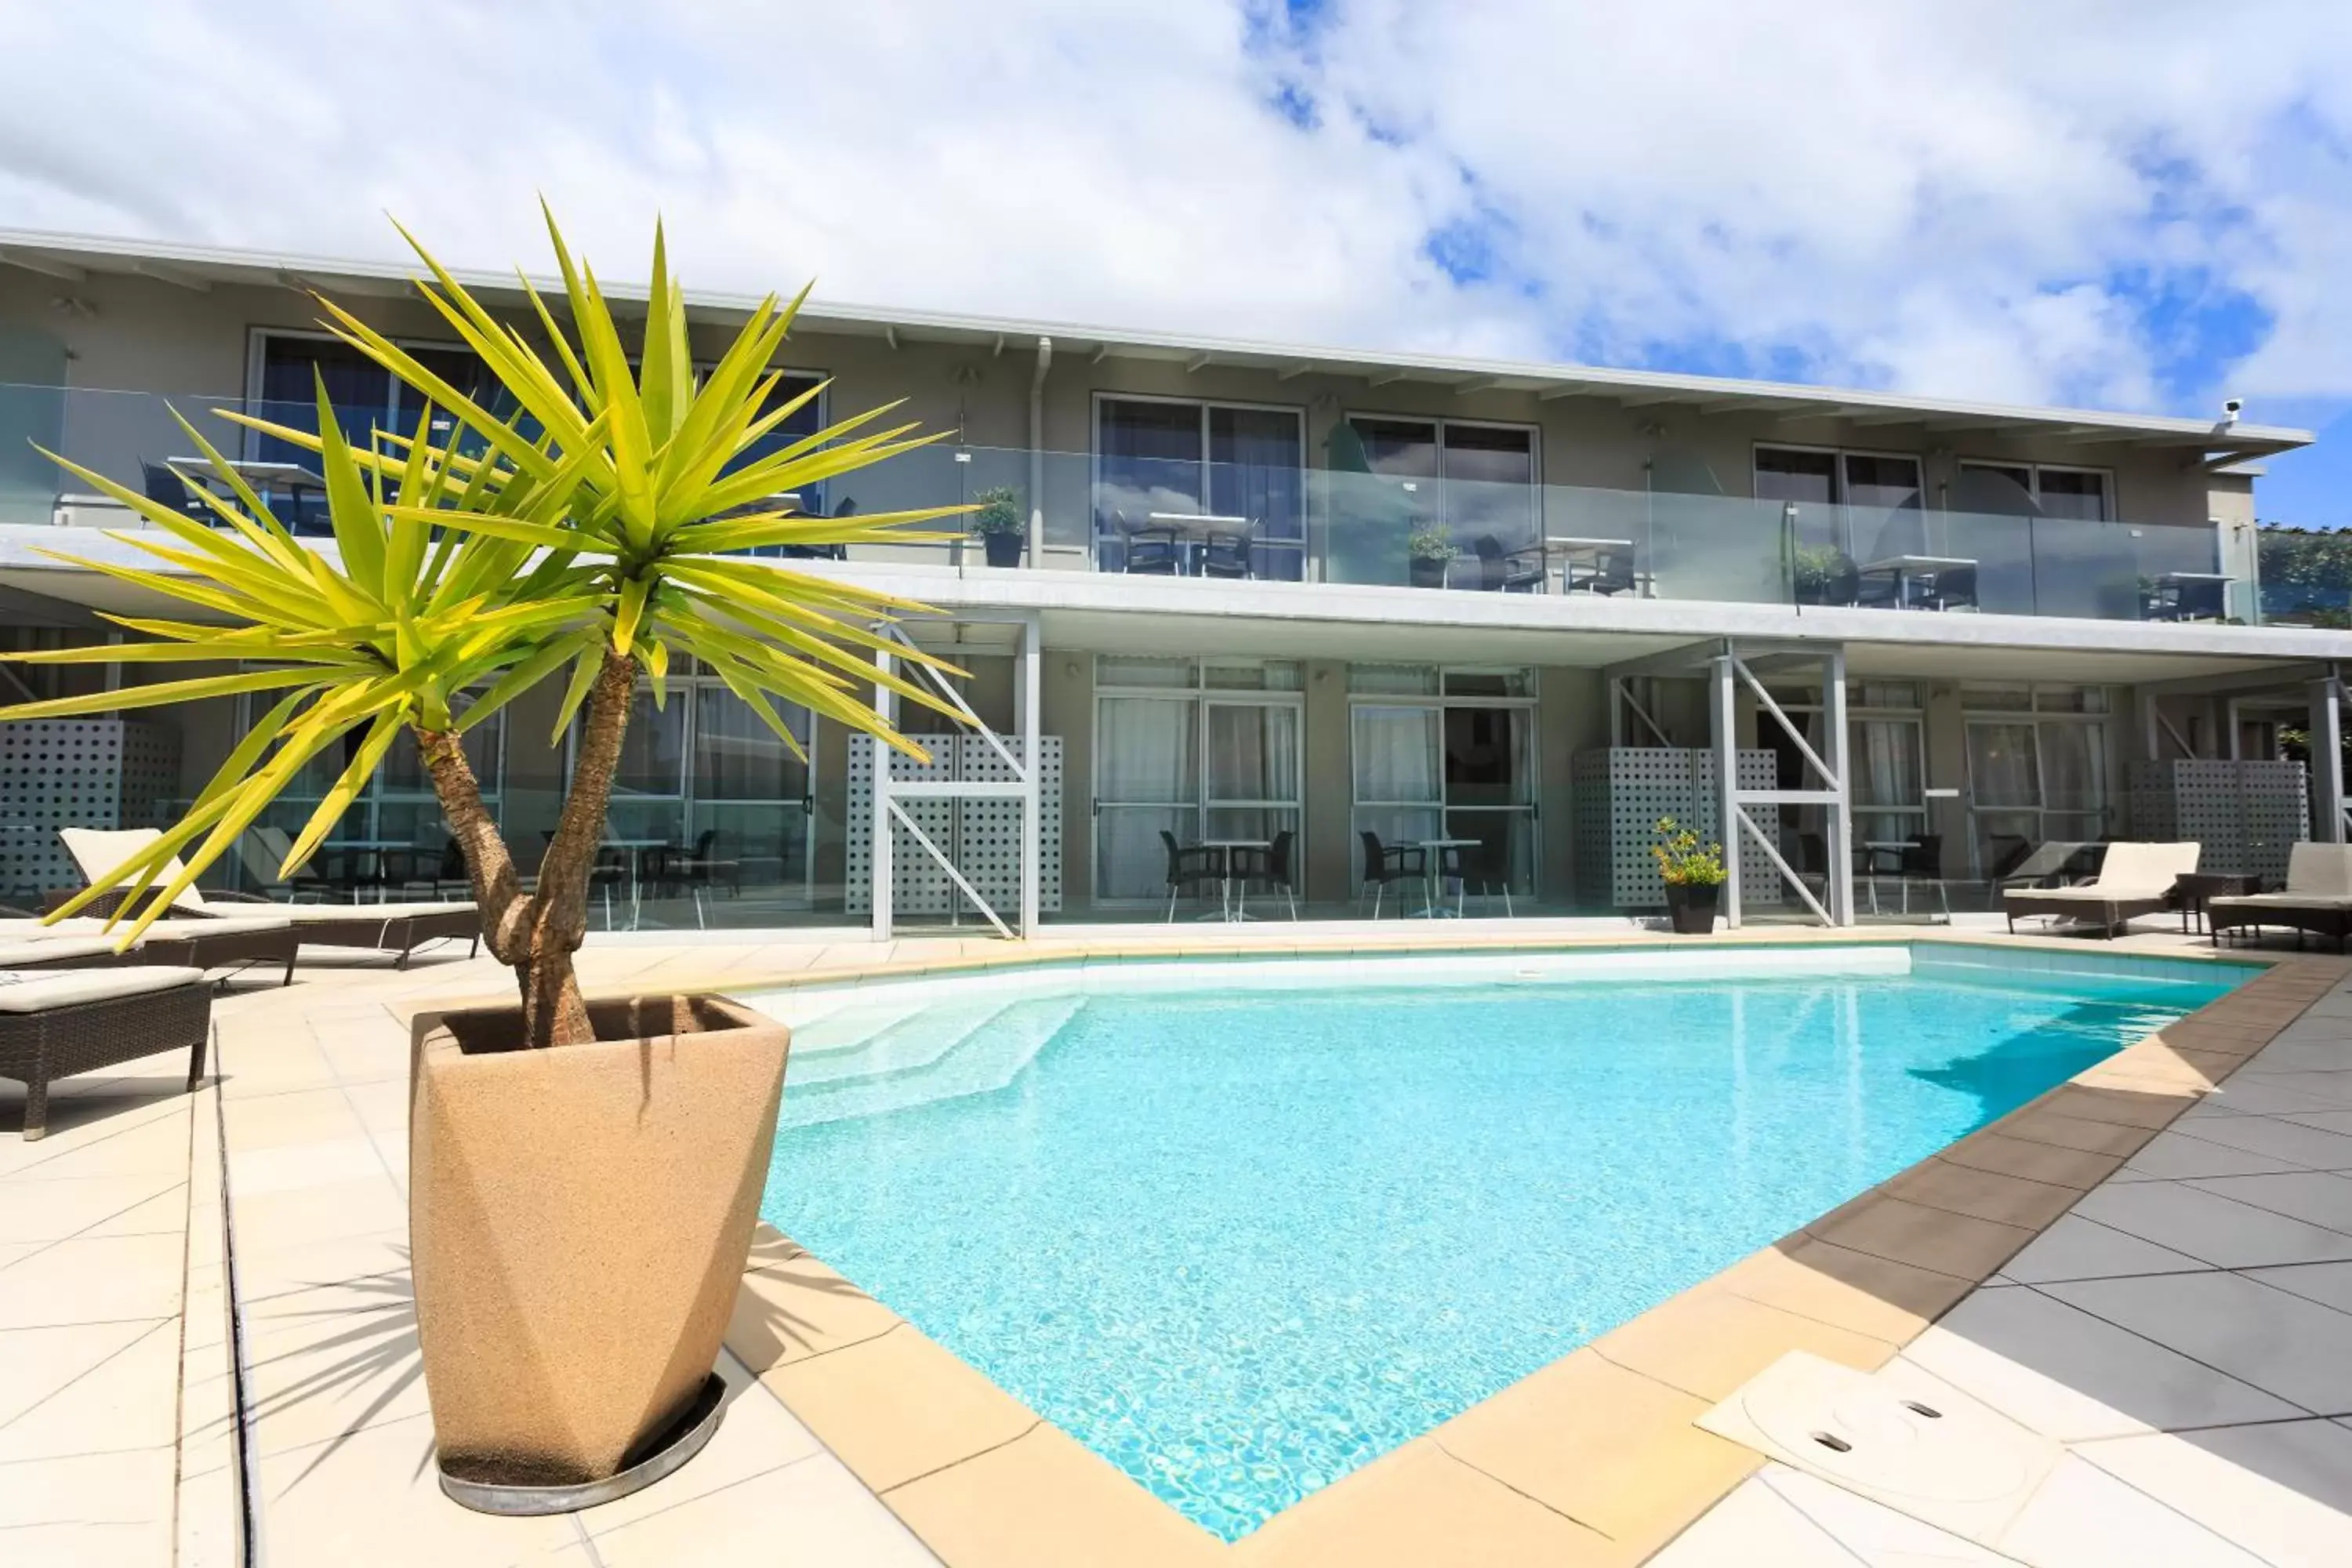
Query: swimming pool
(1243, 1227)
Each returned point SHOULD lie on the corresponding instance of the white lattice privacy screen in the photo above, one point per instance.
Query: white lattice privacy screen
(1622, 791)
(76, 772)
(2248, 815)
(982, 836)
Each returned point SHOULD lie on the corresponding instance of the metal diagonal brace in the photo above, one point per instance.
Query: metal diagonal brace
(948, 865)
(1786, 875)
(954, 697)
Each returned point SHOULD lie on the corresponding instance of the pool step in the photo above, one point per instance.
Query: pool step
(850, 1028)
(909, 1038)
(988, 1055)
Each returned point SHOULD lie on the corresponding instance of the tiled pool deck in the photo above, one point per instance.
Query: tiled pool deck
(2150, 1265)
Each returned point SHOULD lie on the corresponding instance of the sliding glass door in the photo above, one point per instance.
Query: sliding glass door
(1456, 763)
(1188, 464)
(1199, 765)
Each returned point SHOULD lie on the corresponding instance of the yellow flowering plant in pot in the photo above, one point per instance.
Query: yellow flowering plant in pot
(584, 1172)
(1693, 873)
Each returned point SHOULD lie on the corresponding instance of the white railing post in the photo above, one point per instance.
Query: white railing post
(1838, 846)
(1727, 770)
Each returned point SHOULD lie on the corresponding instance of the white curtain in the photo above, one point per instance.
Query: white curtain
(1144, 750)
(1400, 754)
(1253, 753)
(2001, 765)
(1889, 753)
(2075, 767)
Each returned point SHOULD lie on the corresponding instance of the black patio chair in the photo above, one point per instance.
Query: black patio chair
(1271, 866)
(1194, 868)
(1483, 865)
(1502, 570)
(1152, 549)
(1612, 571)
(164, 484)
(1229, 554)
(1953, 588)
(1387, 863)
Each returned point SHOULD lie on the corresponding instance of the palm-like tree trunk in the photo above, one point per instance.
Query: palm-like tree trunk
(535, 934)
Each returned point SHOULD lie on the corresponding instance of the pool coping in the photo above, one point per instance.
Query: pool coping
(1589, 1459)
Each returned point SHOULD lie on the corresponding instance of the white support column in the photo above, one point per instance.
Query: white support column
(1839, 840)
(2327, 767)
(1026, 721)
(884, 875)
(1727, 772)
(1616, 684)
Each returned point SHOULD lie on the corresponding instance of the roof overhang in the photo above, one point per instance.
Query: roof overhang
(71, 258)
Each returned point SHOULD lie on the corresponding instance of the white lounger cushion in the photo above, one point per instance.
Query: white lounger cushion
(76, 927)
(2143, 870)
(312, 914)
(2325, 870)
(97, 850)
(15, 951)
(2283, 900)
(38, 992)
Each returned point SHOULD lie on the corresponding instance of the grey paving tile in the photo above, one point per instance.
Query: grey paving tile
(2291, 1347)
(2211, 1228)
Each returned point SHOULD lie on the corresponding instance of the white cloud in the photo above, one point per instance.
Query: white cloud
(1947, 198)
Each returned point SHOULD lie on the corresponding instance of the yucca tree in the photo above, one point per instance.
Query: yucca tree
(584, 524)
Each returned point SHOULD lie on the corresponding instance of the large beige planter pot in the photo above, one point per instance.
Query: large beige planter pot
(577, 1221)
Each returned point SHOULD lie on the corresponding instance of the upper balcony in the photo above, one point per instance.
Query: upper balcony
(1276, 521)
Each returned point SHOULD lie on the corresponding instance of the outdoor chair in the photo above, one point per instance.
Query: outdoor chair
(2199, 599)
(1922, 860)
(1195, 867)
(695, 871)
(55, 1025)
(1228, 554)
(1482, 863)
(2318, 898)
(1502, 570)
(1612, 571)
(162, 484)
(1953, 588)
(2134, 879)
(1389, 863)
(1151, 549)
(1270, 866)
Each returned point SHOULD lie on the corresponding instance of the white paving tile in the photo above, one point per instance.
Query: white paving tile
(2069, 1375)
(1756, 1527)
(1878, 1534)
(2292, 1347)
(2079, 1249)
(833, 1519)
(2085, 1517)
(2211, 1228)
(129, 1400)
(2282, 1489)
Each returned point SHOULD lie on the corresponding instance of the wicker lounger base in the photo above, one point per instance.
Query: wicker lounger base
(401, 934)
(2319, 919)
(2113, 914)
(187, 944)
(37, 1048)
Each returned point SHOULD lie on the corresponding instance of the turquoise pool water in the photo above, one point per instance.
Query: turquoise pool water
(1241, 1242)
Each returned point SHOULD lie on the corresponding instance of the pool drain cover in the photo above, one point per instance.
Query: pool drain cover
(1959, 1467)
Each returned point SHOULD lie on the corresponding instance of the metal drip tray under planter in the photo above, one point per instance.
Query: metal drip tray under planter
(668, 1449)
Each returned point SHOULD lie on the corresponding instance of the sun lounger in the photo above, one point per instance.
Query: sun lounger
(2049, 859)
(53, 1025)
(398, 929)
(2318, 898)
(2134, 879)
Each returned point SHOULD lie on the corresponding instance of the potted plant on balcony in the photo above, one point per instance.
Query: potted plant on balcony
(1002, 529)
(1429, 549)
(584, 1172)
(1693, 873)
(1822, 574)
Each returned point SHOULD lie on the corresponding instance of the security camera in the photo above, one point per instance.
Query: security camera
(2229, 408)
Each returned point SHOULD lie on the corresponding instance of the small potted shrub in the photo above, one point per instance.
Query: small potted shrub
(1693, 873)
(1001, 528)
(1817, 571)
(1429, 549)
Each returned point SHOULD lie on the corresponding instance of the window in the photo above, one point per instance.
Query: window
(1194, 461)
(1448, 753)
(1864, 504)
(1192, 752)
(1476, 479)
(2027, 488)
(2037, 761)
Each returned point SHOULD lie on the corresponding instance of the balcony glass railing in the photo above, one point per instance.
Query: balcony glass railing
(1273, 521)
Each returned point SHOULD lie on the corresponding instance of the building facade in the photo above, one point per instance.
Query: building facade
(1269, 600)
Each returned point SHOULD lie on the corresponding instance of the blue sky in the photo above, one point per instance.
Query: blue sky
(2113, 202)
